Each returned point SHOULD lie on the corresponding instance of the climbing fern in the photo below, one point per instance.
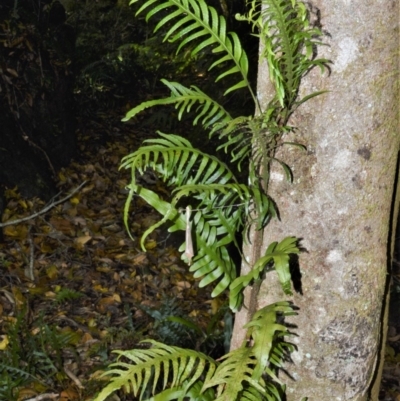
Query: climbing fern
(194, 19)
(176, 373)
(212, 205)
(223, 205)
(222, 202)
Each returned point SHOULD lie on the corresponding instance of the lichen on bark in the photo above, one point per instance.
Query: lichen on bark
(340, 203)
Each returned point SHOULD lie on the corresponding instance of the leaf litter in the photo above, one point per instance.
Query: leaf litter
(74, 272)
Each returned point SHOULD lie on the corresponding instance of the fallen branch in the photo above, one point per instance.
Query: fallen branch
(44, 210)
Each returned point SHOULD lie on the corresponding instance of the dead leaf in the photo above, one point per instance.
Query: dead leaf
(139, 259)
(19, 299)
(63, 225)
(12, 72)
(74, 200)
(52, 272)
(26, 393)
(86, 338)
(81, 241)
(116, 298)
(182, 285)
(16, 231)
(151, 244)
(4, 342)
(69, 395)
(50, 294)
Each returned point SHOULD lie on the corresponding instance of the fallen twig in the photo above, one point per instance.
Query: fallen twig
(48, 396)
(44, 210)
(29, 272)
(73, 377)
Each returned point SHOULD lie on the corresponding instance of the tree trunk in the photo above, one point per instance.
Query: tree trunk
(341, 204)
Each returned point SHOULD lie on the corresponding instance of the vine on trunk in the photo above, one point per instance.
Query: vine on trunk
(212, 205)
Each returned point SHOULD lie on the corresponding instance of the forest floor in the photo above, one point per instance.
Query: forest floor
(74, 286)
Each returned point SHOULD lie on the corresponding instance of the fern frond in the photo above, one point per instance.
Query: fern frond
(67, 294)
(213, 262)
(196, 394)
(164, 208)
(15, 373)
(226, 199)
(177, 161)
(264, 330)
(251, 394)
(196, 19)
(236, 369)
(221, 214)
(215, 231)
(162, 364)
(222, 203)
(179, 393)
(209, 112)
(288, 43)
(278, 254)
(187, 374)
(221, 199)
(236, 137)
(280, 352)
(240, 375)
(257, 137)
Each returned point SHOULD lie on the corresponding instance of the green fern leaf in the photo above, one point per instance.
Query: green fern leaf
(237, 367)
(221, 204)
(195, 20)
(211, 195)
(264, 331)
(212, 260)
(180, 393)
(209, 112)
(213, 263)
(288, 43)
(185, 365)
(279, 254)
(279, 352)
(180, 165)
(236, 137)
(186, 374)
(145, 105)
(174, 158)
(240, 375)
(251, 394)
(164, 208)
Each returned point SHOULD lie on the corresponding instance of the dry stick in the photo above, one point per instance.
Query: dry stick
(25, 137)
(73, 377)
(29, 270)
(189, 253)
(44, 210)
(48, 396)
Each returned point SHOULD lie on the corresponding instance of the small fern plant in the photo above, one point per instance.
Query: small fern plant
(211, 204)
(184, 374)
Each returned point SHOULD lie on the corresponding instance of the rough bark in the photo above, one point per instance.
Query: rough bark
(340, 204)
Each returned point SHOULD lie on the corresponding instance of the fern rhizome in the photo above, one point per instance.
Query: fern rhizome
(220, 205)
